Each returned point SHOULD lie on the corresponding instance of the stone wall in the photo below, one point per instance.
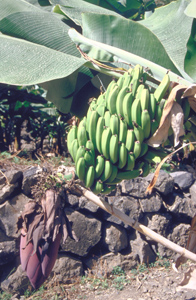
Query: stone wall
(103, 240)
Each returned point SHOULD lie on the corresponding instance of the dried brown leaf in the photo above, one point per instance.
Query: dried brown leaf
(177, 120)
(161, 135)
(190, 91)
(189, 279)
(156, 174)
(190, 94)
(192, 102)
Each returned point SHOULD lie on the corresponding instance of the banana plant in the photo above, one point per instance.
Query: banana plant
(63, 44)
(38, 46)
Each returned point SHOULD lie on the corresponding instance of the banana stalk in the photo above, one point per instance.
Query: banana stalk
(120, 55)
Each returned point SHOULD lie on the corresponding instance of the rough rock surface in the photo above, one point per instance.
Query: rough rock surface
(103, 240)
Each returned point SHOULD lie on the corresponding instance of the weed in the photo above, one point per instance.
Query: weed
(142, 268)
(161, 262)
(5, 296)
(119, 282)
(118, 271)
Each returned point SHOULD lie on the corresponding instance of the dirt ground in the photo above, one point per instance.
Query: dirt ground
(156, 282)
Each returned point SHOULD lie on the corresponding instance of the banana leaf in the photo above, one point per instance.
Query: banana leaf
(172, 27)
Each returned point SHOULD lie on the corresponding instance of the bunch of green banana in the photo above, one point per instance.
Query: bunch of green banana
(110, 142)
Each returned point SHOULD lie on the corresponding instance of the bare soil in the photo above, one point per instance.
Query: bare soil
(155, 282)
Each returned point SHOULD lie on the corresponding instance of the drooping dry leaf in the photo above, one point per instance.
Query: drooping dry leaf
(177, 120)
(190, 91)
(156, 174)
(192, 102)
(190, 94)
(161, 135)
(189, 279)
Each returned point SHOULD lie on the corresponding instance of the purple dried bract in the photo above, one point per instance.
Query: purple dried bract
(42, 225)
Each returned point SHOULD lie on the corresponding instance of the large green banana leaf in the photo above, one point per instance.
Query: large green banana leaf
(35, 45)
(172, 27)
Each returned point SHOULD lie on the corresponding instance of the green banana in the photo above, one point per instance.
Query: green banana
(138, 132)
(114, 182)
(74, 148)
(128, 174)
(160, 91)
(99, 131)
(154, 127)
(137, 72)
(119, 101)
(145, 169)
(186, 108)
(105, 142)
(101, 109)
(122, 158)
(97, 187)
(89, 176)
(72, 135)
(130, 139)
(187, 125)
(152, 106)
(146, 123)
(90, 145)
(130, 162)
(112, 98)
(109, 88)
(114, 124)
(88, 116)
(136, 111)
(120, 81)
(134, 86)
(81, 168)
(137, 149)
(170, 131)
(89, 157)
(154, 155)
(122, 131)
(107, 170)
(99, 165)
(82, 134)
(93, 126)
(113, 174)
(127, 106)
(107, 117)
(139, 91)
(162, 103)
(101, 99)
(145, 99)
(113, 148)
(158, 113)
(107, 189)
(144, 149)
(93, 105)
(80, 153)
(127, 79)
